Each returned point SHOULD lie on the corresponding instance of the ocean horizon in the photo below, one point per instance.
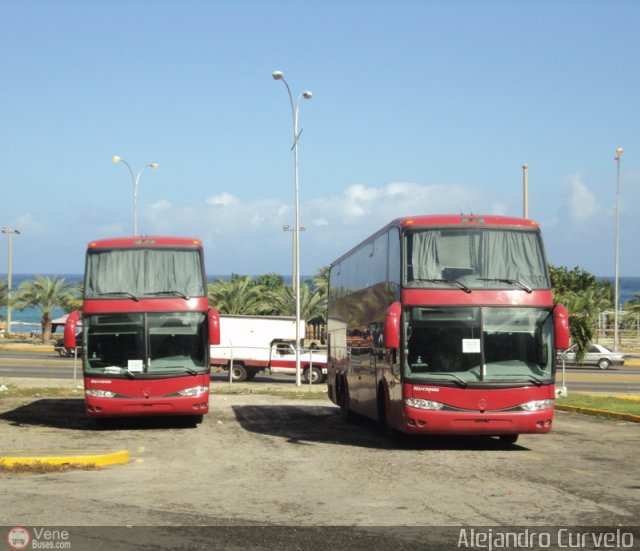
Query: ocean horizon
(28, 320)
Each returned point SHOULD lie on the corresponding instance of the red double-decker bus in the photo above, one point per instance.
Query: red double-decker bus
(146, 328)
(446, 324)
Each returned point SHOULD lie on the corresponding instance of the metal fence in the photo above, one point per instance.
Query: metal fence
(628, 330)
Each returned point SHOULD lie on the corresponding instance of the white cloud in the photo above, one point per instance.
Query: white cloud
(223, 199)
(583, 204)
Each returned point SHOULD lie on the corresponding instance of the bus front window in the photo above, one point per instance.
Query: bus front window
(176, 342)
(115, 342)
(478, 345)
(474, 258)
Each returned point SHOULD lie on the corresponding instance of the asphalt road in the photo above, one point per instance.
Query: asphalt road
(264, 472)
(624, 380)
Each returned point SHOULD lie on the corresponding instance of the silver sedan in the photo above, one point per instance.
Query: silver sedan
(598, 355)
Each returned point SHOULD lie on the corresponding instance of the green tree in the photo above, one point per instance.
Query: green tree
(313, 304)
(3, 293)
(633, 304)
(321, 280)
(43, 293)
(584, 297)
(238, 295)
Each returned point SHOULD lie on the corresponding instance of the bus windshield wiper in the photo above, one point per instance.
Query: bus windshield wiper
(509, 281)
(459, 380)
(111, 369)
(118, 294)
(449, 281)
(169, 293)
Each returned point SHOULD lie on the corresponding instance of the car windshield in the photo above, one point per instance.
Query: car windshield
(466, 346)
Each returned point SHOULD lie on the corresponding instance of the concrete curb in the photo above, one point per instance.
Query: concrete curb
(98, 460)
(599, 413)
(26, 347)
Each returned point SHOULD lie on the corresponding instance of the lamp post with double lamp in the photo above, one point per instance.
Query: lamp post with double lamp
(616, 284)
(277, 75)
(136, 181)
(10, 233)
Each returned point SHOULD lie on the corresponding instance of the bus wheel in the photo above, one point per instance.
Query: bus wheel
(316, 375)
(238, 373)
(345, 410)
(383, 419)
(508, 438)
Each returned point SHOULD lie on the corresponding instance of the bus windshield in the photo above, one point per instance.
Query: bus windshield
(116, 343)
(479, 345)
(144, 272)
(475, 258)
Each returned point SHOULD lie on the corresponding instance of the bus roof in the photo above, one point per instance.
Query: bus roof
(463, 219)
(439, 220)
(145, 241)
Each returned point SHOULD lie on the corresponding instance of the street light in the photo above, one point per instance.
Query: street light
(136, 181)
(619, 152)
(525, 191)
(277, 75)
(10, 232)
(289, 228)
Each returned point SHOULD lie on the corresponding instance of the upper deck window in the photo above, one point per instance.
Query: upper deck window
(474, 258)
(144, 272)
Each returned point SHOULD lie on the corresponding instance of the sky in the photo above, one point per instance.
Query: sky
(418, 107)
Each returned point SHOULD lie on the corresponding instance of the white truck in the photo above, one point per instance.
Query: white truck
(251, 344)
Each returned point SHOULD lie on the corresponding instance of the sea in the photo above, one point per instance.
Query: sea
(28, 320)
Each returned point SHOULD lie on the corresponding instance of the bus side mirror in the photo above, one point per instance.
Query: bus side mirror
(561, 327)
(392, 326)
(214, 326)
(70, 327)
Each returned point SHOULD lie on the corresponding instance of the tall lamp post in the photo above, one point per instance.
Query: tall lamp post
(525, 191)
(616, 292)
(136, 181)
(277, 75)
(10, 232)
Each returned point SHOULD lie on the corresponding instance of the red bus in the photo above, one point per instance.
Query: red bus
(446, 324)
(146, 328)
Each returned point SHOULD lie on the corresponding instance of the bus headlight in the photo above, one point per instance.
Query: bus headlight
(537, 405)
(99, 393)
(194, 391)
(419, 403)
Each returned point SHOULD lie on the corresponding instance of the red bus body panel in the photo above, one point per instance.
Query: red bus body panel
(142, 397)
(481, 413)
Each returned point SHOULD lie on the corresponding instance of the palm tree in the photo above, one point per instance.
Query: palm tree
(321, 280)
(313, 304)
(633, 304)
(44, 293)
(3, 298)
(3, 292)
(238, 295)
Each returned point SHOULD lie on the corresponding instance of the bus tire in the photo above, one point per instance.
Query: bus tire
(238, 373)
(315, 373)
(345, 409)
(383, 418)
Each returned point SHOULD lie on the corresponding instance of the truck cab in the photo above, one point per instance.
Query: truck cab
(282, 359)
